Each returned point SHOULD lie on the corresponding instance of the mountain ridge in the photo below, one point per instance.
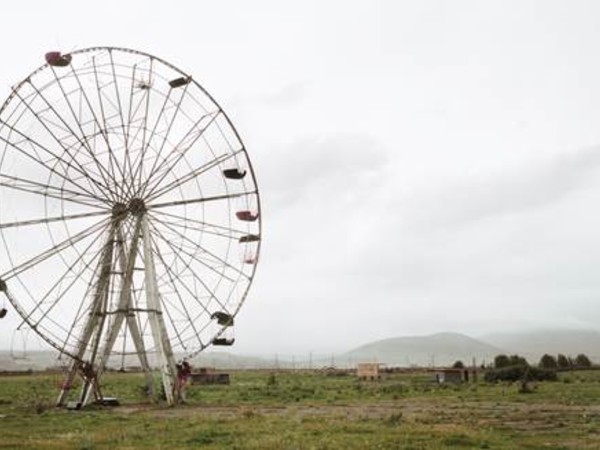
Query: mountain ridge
(442, 348)
(437, 349)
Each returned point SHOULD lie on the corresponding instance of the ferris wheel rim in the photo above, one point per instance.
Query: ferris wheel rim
(106, 211)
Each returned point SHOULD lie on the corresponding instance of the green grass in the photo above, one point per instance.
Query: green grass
(309, 411)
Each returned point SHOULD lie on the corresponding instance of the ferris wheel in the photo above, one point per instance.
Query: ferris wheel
(129, 213)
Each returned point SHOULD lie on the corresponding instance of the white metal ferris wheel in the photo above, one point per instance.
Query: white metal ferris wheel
(129, 213)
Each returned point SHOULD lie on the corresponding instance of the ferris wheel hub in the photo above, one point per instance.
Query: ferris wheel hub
(119, 210)
(137, 206)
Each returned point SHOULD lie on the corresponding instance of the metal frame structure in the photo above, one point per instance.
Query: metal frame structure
(130, 219)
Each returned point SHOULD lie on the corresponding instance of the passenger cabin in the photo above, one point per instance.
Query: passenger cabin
(223, 341)
(246, 216)
(222, 318)
(57, 59)
(234, 174)
(249, 238)
(178, 82)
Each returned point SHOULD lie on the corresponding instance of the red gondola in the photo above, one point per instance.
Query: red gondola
(57, 59)
(246, 216)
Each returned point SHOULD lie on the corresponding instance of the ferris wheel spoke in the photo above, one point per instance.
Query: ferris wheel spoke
(165, 138)
(172, 281)
(82, 140)
(195, 319)
(44, 220)
(130, 115)
(54, 250)
(138, 171)
(174, 327)
(194, 174)
(185, 223)
(101, 123)
(193, 274)
(173, 284)
(200, 200)
(81, 309)
(54, 156)
(70, 271)
(153, 194)
(103, 127)
(181, 148)
(120, 110)
(180, 249)
(140, 165)
(204, 250)
(74, 162)
(45, 190)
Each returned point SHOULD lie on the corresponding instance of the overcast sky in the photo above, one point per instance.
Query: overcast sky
(424, 166)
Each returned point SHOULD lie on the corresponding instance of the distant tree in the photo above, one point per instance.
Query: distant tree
(458, 365)
(516, 360)
(563, 362)
(520, 373)
(548, 362)
(501, 361)
(582, 361)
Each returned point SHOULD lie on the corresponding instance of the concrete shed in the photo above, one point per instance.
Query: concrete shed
(368, 371)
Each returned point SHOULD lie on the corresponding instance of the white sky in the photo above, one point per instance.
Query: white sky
(424, 166)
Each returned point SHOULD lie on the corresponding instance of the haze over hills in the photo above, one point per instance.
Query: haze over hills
(439, 349)
(533, 344)
(436, 349)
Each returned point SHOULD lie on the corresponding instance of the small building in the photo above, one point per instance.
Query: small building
(451, 376)
(208, 375)
(368, 371)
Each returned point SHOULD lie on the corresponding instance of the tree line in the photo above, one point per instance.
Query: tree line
(547, 361)
(517, 368)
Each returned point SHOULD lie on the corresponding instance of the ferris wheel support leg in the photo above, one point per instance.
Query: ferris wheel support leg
(138, 342)
(157, 323)
(127, 264)
(93, 324)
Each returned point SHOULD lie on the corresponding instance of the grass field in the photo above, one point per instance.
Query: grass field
(261, 410)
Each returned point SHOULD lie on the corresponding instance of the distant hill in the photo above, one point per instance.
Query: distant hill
(34, 360)
(534, 344)
(224, 360)
(41, 360)
(436, 349)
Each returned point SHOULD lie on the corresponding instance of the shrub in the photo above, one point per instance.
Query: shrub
(271, 380)
(501, 361)
(583, 361)
(516, 360)
(548, 362)
(563, 362)
(458, 365)
(520, 373)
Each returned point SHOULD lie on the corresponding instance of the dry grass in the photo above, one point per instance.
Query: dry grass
(305, 411)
